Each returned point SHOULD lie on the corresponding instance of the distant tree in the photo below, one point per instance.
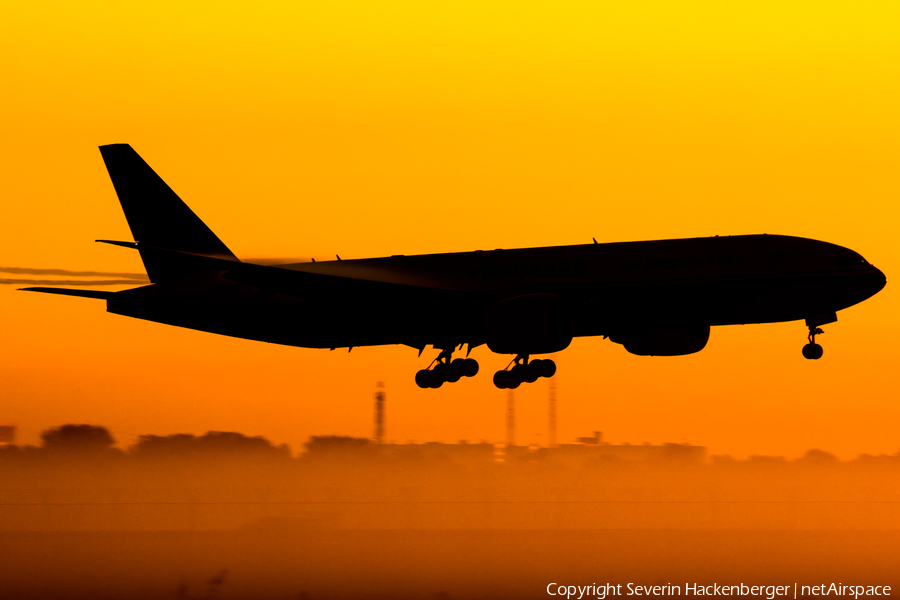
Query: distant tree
(232, 442)
(820, 457)
(213, 443)
(78, 438)
(877, 460)
(158, 446)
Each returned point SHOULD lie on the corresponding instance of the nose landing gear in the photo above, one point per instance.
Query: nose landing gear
(446, 370)
(523, 371)
(813, 351)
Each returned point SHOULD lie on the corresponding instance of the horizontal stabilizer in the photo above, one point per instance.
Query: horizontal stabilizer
(97, 294)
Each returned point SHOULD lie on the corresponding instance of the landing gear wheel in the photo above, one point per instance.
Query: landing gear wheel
(812, 351)
(446, 370)
(454, 371)
(500, 379)
(548, 368)
(517, 376)
(470, 367)
(422, 378)
(522, 371)
(441, 372)
(533, 371)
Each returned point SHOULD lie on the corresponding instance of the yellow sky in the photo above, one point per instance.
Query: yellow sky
(377, 128)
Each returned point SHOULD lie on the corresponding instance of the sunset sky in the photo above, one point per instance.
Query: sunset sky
(374, 128)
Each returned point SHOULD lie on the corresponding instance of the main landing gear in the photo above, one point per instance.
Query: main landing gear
(812, 350)
(446, 371)
(523, 371)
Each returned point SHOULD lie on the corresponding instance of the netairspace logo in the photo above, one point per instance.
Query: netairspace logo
(770, 592)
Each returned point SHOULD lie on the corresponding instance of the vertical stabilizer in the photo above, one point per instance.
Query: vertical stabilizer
(157, 216)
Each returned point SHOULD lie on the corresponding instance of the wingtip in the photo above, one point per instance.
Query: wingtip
(118, 243)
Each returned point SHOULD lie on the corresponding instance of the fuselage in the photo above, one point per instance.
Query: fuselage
(607, 288)
(656, 298)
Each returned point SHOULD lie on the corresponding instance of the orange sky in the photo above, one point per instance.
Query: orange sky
(377, 128)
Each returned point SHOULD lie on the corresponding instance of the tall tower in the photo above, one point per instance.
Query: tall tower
(510, 418)
(379, 413)
(551, 434)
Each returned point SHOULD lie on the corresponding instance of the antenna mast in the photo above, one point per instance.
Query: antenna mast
(379, 413)
(510, 419)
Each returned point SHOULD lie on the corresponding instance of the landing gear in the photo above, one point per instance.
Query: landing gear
(523, 371)
(813, 351)
(446, 370)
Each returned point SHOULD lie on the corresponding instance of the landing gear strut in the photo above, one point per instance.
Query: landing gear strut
(446, 370)
(812, 350)
(523, 371)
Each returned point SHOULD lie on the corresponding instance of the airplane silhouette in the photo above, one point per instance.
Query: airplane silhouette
(657, 298)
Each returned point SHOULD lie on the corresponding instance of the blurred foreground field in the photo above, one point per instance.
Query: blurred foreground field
(224, 516)
(427, 564)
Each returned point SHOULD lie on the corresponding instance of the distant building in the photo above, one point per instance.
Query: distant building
(594, 448)
(591, 448)
(594, 440)
(325, 444)
(7, 435)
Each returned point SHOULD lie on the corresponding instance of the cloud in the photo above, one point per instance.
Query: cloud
(81, 282)
(82, 278)
(66, 272)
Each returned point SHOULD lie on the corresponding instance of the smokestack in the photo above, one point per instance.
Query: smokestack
(551, 435)
(379, 413)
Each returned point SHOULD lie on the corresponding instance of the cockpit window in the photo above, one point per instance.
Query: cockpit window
(849, 261)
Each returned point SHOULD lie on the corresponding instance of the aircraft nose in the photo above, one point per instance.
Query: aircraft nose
(873, 283)
(879, 280)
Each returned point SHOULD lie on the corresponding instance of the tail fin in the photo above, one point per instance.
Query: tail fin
(158, 217)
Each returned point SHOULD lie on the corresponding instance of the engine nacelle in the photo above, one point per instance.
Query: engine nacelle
(670, 341)
(530, 324)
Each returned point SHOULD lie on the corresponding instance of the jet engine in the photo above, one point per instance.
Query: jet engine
(530, 324)
(670, 341)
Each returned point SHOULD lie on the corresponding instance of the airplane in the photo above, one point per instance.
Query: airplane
(656, 298)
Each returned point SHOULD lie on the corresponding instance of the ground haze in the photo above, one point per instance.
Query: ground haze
(224, 515)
